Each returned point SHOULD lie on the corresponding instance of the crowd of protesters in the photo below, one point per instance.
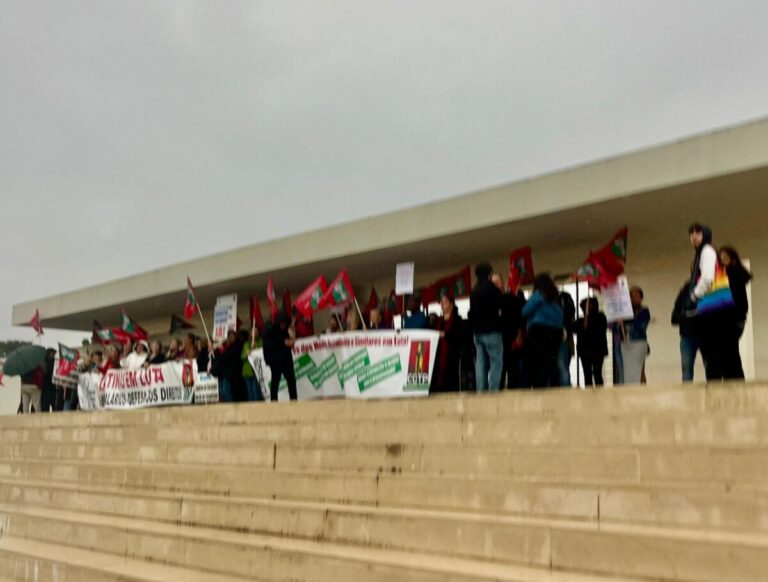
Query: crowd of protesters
(507, 341)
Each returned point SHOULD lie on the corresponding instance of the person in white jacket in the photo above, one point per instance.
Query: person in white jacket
(138, 356)
(709, 327)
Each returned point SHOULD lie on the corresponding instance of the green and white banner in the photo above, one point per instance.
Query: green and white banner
(365, 364)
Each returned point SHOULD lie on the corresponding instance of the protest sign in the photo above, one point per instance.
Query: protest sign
(224, 316)
(206, 388)
(168, 383)
(404, 278)
(372, 364)
(616, 300)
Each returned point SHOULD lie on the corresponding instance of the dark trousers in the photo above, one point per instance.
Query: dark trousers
(278, 371)
(511, 373)
(543, 347)
(593, 369)
(48, 399)
(718, 338)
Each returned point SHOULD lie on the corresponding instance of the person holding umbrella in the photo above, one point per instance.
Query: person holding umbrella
(27, 362)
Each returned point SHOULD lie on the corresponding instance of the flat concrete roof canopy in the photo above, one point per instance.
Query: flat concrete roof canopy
(580, 207)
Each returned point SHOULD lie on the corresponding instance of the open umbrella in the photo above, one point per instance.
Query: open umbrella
(23, 360)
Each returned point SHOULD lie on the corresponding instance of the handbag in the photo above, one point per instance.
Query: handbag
(719, 296)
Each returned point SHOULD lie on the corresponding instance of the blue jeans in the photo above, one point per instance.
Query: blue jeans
(618, 364)
(564, 365)
(71, 401)
(490, 361)
(225, 390)
(254, 390)
(689, 346)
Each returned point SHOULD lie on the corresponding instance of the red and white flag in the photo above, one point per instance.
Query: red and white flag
(35, 322)
(190, 304)
(271, 299)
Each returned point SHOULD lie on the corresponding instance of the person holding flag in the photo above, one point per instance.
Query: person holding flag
(278, 354)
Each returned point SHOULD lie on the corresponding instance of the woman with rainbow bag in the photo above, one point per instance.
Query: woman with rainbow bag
(711, 302)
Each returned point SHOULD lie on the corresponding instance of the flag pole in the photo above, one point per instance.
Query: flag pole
(338, 319)
(360, 313)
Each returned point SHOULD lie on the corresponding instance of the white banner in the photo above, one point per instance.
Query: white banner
(371, 364)
(224, 316)
(168, 383)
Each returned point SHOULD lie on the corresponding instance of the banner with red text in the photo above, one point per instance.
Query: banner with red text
(374, 364)
(164, 384)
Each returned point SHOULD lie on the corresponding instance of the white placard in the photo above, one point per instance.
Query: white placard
(616, 301)
(206, 388)
(404, 278)
(224, 316)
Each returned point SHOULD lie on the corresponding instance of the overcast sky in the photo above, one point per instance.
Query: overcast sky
(138, 134)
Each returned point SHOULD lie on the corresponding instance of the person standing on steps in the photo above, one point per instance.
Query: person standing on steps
(485, 320)
(278, 354)
(689, 343)
(544, 317)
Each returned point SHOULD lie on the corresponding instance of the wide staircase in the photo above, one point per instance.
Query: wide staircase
(567, 485)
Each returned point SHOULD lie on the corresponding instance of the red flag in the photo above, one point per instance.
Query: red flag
(373, 303)
(604, 266)
(305, 327)
(95, 339)
(114, 334)
(177, 323)
(339, 292)
(256, 320)
(457, 285)
(309, 299)
(1, 379)
(67, 360)
(35, 323)
(190, 305)
(132, 328)
(272, 299)
(520, 269)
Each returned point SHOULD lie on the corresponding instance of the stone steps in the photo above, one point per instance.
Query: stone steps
(728, 398)
(661, 429)
(490, 493)
(35, 561)
(628, 464)
(645, 483)
(251, 555)
(603, 505)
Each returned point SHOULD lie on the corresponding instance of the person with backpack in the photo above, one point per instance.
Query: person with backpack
(689, 342)
(712, 323)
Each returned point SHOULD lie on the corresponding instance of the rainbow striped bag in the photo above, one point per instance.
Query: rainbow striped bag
(719, 296)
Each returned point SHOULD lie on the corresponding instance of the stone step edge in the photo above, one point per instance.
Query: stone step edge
(697, 536)
(123, 568)
(355, 508)
(416, 561)
(672, 484)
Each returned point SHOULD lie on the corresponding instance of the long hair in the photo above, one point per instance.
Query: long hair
(546, 286)
(736, 263)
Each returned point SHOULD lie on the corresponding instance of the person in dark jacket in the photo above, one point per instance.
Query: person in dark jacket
(689, 343)
(512, 325)
(544, 317)
(203, 355)
(446, 375)
(485, 319)
(48, 396)
(278, 354)
(738, 278)
(415, 318)
(592, 339)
